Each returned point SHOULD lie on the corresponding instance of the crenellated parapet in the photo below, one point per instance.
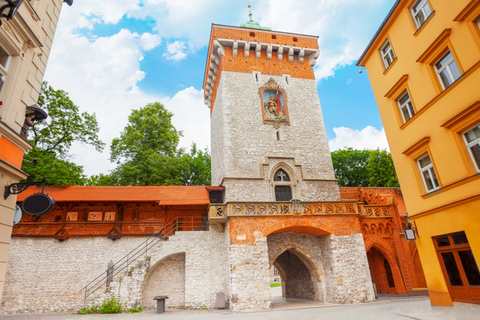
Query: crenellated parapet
(253, 50)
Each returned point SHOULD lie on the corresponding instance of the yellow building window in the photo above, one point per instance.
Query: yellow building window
(387, 54)
(447, 70)
(406, 107)
(472, 139)
(428, 173)
(420, 12)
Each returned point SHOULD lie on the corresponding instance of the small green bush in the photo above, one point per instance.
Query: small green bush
(111, 305)
(88, 310)
(134, 309)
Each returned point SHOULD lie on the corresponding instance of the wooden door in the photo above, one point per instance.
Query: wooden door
(459, 267)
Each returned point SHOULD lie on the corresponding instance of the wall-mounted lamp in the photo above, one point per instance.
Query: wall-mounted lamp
(410, 229)
(8, 8)
(361, 70)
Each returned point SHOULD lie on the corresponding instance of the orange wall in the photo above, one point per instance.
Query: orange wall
(10, 152)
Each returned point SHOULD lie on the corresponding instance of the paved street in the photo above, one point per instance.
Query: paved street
(389, 309)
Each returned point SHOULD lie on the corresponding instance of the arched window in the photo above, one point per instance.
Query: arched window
(281, 175)
(283, 189)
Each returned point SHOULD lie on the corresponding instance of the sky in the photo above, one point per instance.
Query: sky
(114, 56)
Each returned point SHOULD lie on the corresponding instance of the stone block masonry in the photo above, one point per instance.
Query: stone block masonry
(245, 149)
(44, 275)
(250, 277)
(346, 265)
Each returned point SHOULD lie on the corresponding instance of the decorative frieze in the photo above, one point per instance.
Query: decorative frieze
(288, 208)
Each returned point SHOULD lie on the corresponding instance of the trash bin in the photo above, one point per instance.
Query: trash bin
(160, 303)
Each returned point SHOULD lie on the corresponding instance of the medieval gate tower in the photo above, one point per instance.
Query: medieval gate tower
(266, 116)
(281, 205)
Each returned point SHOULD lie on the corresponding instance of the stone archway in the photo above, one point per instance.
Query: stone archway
(297, 281)
(297, 257)
(384, 269)
(166, 277)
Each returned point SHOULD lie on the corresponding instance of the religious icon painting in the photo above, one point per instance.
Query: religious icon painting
(274, 105)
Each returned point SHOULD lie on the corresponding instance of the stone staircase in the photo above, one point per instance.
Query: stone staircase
(125, 277)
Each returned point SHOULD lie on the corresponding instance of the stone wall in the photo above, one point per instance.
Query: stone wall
(242, 142)
(346, 265)
(167, 277)
(250, 277)
(45, 275)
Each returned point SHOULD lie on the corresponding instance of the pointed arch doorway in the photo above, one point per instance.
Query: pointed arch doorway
(300, 269)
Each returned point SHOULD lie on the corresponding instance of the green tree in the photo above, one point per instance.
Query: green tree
(380, 168)
(364, 168)
(198, 167)
(146, 153)
(53, 137)
(349, 167)
(58, 172)
(149, 129)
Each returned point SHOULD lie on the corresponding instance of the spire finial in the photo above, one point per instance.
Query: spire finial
(251, 23)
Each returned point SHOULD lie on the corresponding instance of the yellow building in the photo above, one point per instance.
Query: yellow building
(424, 67)
(25, 43)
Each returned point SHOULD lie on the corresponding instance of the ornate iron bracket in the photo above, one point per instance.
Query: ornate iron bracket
(16, 188)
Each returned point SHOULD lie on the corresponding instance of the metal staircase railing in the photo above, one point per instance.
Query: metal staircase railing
(178, 224)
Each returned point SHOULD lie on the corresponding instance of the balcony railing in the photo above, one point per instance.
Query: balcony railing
(223, 211)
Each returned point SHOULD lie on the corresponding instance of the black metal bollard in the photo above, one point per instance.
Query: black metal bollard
(160, 303)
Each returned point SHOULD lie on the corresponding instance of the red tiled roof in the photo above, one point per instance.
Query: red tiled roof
(165, 195)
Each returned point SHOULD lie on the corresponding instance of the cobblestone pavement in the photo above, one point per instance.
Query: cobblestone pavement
(383, 309)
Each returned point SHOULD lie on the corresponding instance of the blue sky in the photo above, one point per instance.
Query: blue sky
(113, 56)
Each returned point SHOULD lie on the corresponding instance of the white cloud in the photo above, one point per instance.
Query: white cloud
(85, 13)
(341, 25)
(368, 138)
(192, 116)
(101, 77)
(150, 41)
(176, 51)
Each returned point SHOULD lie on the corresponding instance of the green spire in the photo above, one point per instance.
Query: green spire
(251, 23)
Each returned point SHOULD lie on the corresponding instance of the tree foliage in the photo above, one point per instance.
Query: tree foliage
(53, 137)
(59, 172)
(64, 125)
(149, 130)
(364, 168)
(381, 170)
(146, 153)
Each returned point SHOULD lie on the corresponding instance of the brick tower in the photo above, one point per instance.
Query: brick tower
(268, 138)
